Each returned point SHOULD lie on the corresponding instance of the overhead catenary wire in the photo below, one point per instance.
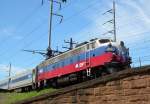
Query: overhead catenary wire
(38, 27)
(25, 36)
(22, 23)
(25, 20)
(81, 13)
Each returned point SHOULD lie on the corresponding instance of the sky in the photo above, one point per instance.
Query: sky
(24, 24)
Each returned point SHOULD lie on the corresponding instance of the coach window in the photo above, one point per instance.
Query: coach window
(63, 63)
(57, 65)
(88, 46)
(67, 61)
(78, 58)
(93, 45)
(82, 56)
(71, 60)
(74, 59)
(53, 66)
(48, 67)
(45, 68)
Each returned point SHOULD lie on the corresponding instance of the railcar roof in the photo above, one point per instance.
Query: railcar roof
(22, 73)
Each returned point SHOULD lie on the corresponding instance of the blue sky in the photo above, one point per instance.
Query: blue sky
(24, 25)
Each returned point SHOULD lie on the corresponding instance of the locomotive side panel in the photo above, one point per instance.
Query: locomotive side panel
(62, 66)
(81, 61)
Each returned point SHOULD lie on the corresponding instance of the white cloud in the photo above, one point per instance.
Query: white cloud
(133, 19)
(136, 20)
(132, 16)
(94, 27)
(6, 31)
(140, 10)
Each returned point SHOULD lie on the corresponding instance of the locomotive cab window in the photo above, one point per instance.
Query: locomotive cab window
(104, 40)
(57, 65)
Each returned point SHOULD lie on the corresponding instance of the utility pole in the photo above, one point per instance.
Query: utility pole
(140, 62)
(50, 23)
(50, 52)
(9, 76)
(112, 21)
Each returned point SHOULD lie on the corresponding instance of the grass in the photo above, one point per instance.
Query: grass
(9, 98)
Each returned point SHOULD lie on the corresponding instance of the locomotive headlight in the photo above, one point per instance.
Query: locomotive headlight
(109, 48)
(112, 49)
(41, 71)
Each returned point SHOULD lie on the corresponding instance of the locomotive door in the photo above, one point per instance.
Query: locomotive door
(87, 54)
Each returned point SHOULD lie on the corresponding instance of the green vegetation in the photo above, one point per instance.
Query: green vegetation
(9, 98)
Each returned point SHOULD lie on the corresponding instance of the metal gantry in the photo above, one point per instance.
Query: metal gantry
(112, 21)
(71, 44)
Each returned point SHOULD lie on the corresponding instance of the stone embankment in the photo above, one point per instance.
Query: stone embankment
(131, 86)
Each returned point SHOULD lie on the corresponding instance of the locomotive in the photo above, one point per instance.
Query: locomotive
(88, 60)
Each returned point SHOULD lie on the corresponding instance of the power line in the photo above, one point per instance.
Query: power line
(36, 28)
(88, 7)
(76, 14)
(16, 52)
(67, 20)
(27, 18)
(23, 22)
(27, 35)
